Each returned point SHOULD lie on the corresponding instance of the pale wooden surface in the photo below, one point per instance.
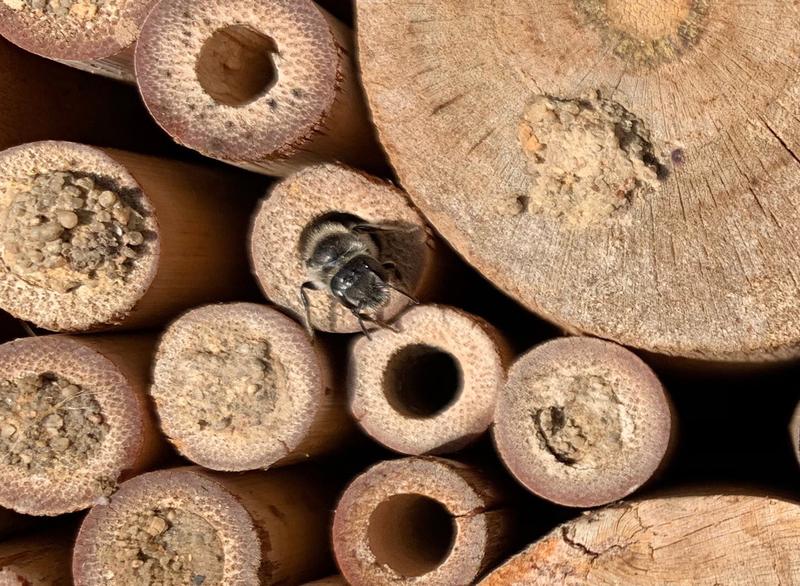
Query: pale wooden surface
(704, 267)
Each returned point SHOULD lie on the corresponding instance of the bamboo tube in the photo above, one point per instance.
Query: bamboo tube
(126, 239)
(37, 560)
(794, 432)
(703, 540)
(240, 386)
(432, 387)
(41, 100)
(285, 219)
(267, 85)
(601, 147)
(191, 526)
(94, 36)
(75, 420)
(420, 521)
(582, 422)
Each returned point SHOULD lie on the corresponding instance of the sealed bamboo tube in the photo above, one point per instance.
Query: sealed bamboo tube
(99, 238)
(709, 539)
(297, 205)
(420, 521)
(38, 560)
(264, 84)
(241, 386)
(431, 387)
(93, 35)
(582, 422)
(191, 526)
(74, 420)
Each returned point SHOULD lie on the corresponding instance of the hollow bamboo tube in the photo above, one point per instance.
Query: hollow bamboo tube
(147, 239)
(703, 540)
(582, 422)
(42, 100)
(251, 528)
(41, 559)
(240, 386)
(95, 37)
(287, 216)
(432, 387)
(76, 420)
(268, 85)
(420, 521)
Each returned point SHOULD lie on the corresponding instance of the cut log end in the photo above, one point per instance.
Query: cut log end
(80, 242)
(74, 427)
(432, 387)
(238, 386)
(81, 30)
(265, 85)
(416, 520)
(299, 203)
(678, 540)
(582, 422)
(190, 528)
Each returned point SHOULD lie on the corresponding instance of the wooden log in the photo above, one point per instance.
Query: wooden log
(75, 420)
(240, 386)
(432, 387)
(42, 100)
(267, 85)
(582, 422)
(191, 526)
(627, 170)
(699, 540)
(420, 521)
(101, 238)
(296, 205)
(93, 36)
(42, 559)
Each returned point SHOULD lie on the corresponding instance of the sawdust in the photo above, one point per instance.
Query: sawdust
(63, 231)
(166, 546)
(47, 421)
(588, 159)
(79, 9)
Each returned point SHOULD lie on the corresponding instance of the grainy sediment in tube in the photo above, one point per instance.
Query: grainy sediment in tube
(79, 238)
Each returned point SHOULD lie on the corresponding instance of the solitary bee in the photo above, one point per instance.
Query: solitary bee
(342, 256)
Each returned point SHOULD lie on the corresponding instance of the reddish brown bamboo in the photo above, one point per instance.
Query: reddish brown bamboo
(126, 239)
(420, 521)
(75, 422)
(241, 386)
(264, 84)
(172, 526)
(41, 559)
(582, 422)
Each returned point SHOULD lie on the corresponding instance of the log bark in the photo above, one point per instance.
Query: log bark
(625, 170)
(699, 540)
(583, 422)
(421, 521)
(266, 85)
(41, 559)
(48, 466)
(292, 209)
(251, 528)
(432, 387)
(241, 386)
(188, 226)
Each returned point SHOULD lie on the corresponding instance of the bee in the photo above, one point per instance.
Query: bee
(342, 256)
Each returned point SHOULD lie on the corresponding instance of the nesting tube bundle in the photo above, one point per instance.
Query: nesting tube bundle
(98, 238)
(268, 85)
(42, 559)
(191, 526)
(74, 420)
(582, 422)
(241, 386)
(432, 386)
(420, 521)
(94, 35)
(297, 206)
